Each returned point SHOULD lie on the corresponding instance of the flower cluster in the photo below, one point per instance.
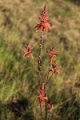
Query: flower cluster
(54, 68)
(44, 24)
(52, 53)
(29, 51)
(42, 98)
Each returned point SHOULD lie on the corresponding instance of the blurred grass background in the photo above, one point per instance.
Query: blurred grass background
(18, 80)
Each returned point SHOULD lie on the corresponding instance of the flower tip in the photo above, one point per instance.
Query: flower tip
(36, 30)
(57, 72)
(50, 28)
(24, 55)
(32, 57)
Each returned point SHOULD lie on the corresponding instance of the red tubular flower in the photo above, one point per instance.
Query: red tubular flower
(41, 91)
(42, 98)
(52, 53)
(28, 54)
(44, 24)
(29, 48)
(29, 51)
(54, 68)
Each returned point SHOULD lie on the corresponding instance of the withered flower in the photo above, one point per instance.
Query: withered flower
(50, 106)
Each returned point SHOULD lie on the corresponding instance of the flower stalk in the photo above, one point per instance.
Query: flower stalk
(52, 66)
(40, 55)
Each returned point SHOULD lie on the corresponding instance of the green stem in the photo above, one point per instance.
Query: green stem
(41, 111)
(40, 77)
(49, 79)
(46, 110)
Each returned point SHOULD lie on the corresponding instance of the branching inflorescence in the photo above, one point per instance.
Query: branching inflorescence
(53, 66)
